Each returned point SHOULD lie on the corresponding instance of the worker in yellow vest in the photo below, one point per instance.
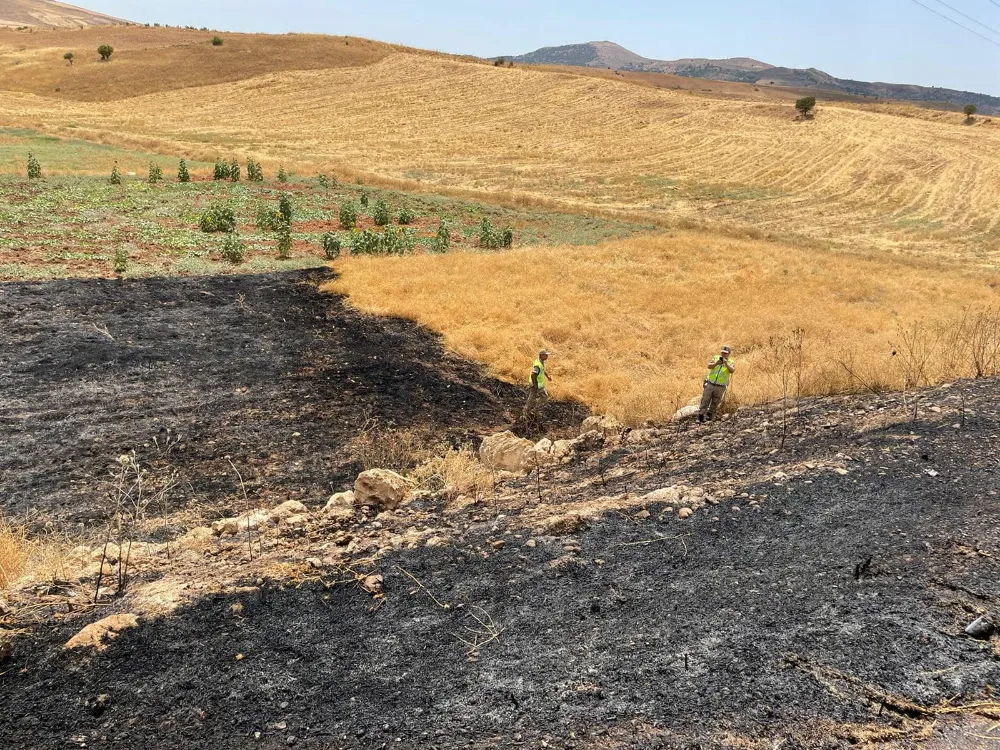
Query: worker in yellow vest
(536, 385)
(720, 370)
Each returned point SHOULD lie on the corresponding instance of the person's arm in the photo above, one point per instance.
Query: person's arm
(730, 366)
(713, 362)
(534, 378)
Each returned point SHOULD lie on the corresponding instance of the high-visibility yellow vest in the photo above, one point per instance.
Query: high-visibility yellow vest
(541, 373)
(719, 374)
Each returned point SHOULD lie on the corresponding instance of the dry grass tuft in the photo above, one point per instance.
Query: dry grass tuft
(631, 323)
(457, 472)
(14, 552)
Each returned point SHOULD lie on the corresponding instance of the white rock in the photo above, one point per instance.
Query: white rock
(663, 495)
(436, 541)
(543, 446)
(607, 426)
(685, 513)
(638, 437)
(687, 412)
(340, 506)
(288, 508)
(505, 451)
(380, 488)
(562, 448)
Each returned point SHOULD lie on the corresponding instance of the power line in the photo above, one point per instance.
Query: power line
(966, 15)
(960, 25)
(995, 3)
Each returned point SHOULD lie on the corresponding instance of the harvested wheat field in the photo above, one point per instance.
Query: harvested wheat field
(871, 179)
(631, 322)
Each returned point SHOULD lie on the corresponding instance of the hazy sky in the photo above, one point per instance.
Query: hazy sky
(885, 40)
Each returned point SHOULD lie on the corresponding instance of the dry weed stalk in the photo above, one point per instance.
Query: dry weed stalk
(380, 446)
(14, 551)
(129, 502)
(487, 631)
(457, 472)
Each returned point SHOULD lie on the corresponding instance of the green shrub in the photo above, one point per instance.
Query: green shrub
(492, 238)
(364, 199)
(323, 181)
(182, 172)
(268, 218)
(285, 208)
(232, 248)
(442, 240)
(406, 216)
(331, 246)
(155, 173)
(970, 111)
(116, 176)
(105, 51)
(234, 171)
(381, 214)
(216, 41)
(222, 170)
(368, 242)
(219, 217)
(348, 215)
(254, 171)
(806, 105)
(394, 241)
(282, 175)
(68, 57)
(121, 260)
(34, 168)
(285, 241)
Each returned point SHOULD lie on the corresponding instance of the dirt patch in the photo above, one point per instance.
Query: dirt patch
(262, 369)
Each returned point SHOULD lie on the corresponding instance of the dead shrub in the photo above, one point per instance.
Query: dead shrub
(13, 552)
(379, 446)
(456, 472)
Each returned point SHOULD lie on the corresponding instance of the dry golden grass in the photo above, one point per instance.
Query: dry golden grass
(13, 552)
(852, 178)
(631, 323)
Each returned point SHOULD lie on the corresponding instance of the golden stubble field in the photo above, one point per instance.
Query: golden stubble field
(857, 228)
(630, 323)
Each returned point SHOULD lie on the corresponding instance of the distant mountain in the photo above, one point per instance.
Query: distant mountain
(50, 14)
(747, 70)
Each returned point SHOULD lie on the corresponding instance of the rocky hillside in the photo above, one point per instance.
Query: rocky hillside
(50, 14)
(748, 70)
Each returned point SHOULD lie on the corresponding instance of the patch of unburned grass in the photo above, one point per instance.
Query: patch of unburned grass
(13, 552)
(631, 323)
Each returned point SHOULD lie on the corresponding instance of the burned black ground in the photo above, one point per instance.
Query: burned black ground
(738, 625)
(262, 369)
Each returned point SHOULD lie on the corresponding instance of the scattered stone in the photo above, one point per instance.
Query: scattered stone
(498, 544)
(566, 563)
(663, 495)
(606, 426)
(638, 437)
(685, 513)
(588, 441)
(380, 488)
(234, 526)
(436, 541)
(981, 629)
(505, 451)
(295, 523)
(531, 543)
(642, 514)
(287, 509)
(562, 525)
(543, 446)
(95, 634)
(687, 412)
(340, 507)
(373, 584)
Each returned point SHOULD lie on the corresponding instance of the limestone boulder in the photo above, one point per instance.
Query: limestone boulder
(505, 451)
(607, 426)
(340, 507)
(380, 488)
(687, 412)
(287, 509)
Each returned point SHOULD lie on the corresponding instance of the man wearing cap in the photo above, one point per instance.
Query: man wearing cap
(720, 369)
(536, 385)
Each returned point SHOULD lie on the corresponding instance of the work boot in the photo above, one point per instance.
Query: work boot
(701, 419)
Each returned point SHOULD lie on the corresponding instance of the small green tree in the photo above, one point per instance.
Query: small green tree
(116, 176)
(182, 172)
(806, 105)
(105, 51)
(406, 216)
(234, 171)
(282, 175)
(68, 57)
(331, 246)
(364, 199)
(348, 215)
(285, 208)
(216, 41)
(268, 218)
(34, 168)
(120, 262)
(219, 217)
(285, 241)
(155, 173)
(442, 240)
(233, 250)
(222, 170)
(381, 214)
(970, 111)
(254, 171)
